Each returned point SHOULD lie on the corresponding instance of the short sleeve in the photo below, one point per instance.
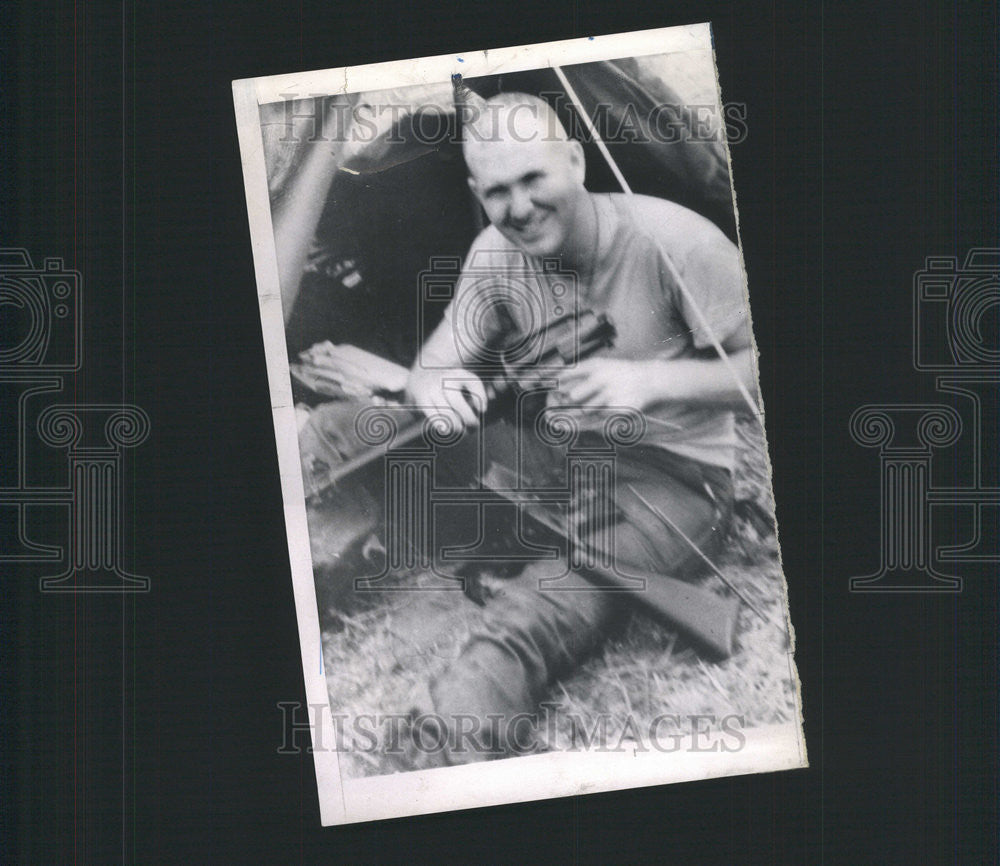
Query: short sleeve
(713, 275)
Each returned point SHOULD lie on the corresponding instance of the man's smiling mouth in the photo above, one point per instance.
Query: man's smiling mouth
(532, 230)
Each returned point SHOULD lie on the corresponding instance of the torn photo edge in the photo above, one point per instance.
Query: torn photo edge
(533, 777)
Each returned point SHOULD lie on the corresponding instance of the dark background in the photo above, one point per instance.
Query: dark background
(145, 728)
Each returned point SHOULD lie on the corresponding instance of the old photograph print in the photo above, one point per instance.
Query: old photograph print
(522, 445)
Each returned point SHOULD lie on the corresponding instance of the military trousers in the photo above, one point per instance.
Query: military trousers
(538, 626)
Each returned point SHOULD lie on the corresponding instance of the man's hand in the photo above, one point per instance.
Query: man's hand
(600, 383)
(454, 393)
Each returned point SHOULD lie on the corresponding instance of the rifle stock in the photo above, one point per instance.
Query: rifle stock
(707, 618)
(703, 616)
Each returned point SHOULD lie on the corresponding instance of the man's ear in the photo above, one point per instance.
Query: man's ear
(577, 161)
(474, 186)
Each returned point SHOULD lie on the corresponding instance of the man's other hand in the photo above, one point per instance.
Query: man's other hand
(601, 383)
(454, 393)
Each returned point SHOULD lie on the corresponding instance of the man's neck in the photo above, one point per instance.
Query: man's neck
(581, 251)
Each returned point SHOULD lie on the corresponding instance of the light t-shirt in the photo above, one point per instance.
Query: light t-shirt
(502, 288)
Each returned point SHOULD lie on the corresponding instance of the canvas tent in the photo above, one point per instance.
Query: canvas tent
(409, 204)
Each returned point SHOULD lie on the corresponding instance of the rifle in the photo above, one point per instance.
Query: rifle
(707, 618)
(565, 341)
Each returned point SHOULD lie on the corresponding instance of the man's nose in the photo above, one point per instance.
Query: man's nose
(520, 205)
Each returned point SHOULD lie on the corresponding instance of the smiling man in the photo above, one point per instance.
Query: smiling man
(529, 178)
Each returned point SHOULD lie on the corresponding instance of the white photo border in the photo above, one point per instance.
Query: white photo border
(344, 800)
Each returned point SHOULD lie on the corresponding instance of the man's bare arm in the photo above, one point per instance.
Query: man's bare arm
(696, 381)
(647, 384)
(439, 384)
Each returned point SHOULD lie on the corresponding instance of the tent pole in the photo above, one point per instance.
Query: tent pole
(671, 268)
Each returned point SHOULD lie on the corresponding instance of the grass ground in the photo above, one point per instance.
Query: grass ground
(387, 643)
